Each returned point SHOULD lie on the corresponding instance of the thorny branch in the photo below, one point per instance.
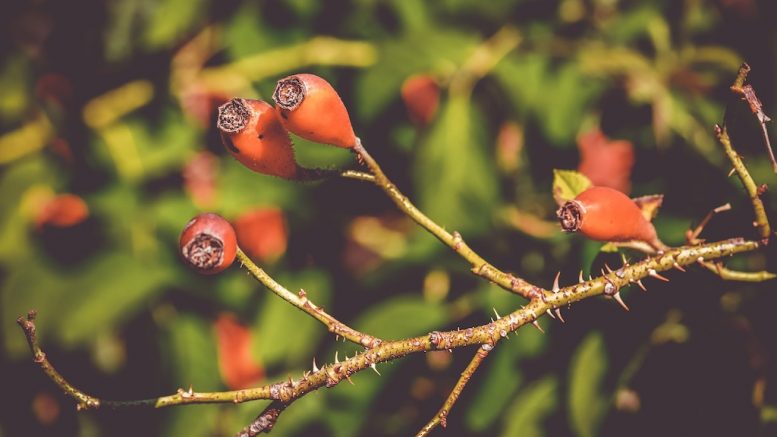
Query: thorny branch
(453, 240)
(301, 301)
(541, 302)
(332, 374)
(441, 418)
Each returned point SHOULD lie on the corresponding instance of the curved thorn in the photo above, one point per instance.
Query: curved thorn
(619, 299)
(678, 267)
(375, 368)
(315, 367)
(337, 360)
(641, 285)
(555, 283)
(537, 325)
(558, 314)
(548, 312)
(655, 274)
(580, 279)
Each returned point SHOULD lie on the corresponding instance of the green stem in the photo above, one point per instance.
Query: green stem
(441, 417)
(301, 301)
(453, 240)
(761, 221)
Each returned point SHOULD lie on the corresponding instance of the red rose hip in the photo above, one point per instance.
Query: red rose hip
(253, 134)
(208, 243)
(309, 107)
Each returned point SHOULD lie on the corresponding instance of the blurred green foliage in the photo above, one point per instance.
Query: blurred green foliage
(114, 101)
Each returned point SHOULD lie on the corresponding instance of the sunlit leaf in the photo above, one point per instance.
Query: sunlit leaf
(456, 181)
(567, 184)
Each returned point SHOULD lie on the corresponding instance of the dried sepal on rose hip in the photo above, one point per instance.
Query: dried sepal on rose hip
(311, 108)
(208, 243)
(606, 214)
(253, 134)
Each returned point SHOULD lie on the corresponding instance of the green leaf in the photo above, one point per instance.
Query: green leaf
(531, 407)
(284, 335)
(169, 20)
(495, 390)
(586, 402)
(416, 315)
(455, 179)
(567, 184)
(191, 344)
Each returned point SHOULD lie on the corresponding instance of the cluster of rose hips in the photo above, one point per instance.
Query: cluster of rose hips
(257, 135)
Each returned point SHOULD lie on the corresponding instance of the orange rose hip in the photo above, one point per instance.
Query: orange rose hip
(253, 134)
(309, 107)
(606, 214)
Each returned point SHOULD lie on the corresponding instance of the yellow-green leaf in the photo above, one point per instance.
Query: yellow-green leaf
(567, 184)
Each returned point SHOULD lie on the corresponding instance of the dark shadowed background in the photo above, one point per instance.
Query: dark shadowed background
(108, 147)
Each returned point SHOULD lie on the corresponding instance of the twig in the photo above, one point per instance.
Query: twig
(265, 421)
(761, 221)
(748, 94)
(301, 301)
(734, 275)
(453, 240)
(332, 374)
(442, 416)
(316, 174)
(85, 401)
(692, 236)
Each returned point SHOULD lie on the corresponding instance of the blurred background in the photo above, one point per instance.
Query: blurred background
(108, 147)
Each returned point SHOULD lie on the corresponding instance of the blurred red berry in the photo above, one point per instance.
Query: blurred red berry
(199, 178)
(62, 211)
(606, 163)
(237, 366)
(421, 94)
(262, 233)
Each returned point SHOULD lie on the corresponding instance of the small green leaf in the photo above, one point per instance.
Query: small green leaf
(586, 402)
(567, 184)
(531, 407)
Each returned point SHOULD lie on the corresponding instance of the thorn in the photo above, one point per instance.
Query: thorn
(558, 314)
(609, 270)
(349, 379)
(619, 299)
(497, 314)
(678, 267)
(337, 359)
(548, 312)
(731, 173)
(555, 282)
(654, 273)
(590, 278)
(537, 325)
(625, 261)
(375, 368)
(641, 285)
(580, 279)
(315, 367)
